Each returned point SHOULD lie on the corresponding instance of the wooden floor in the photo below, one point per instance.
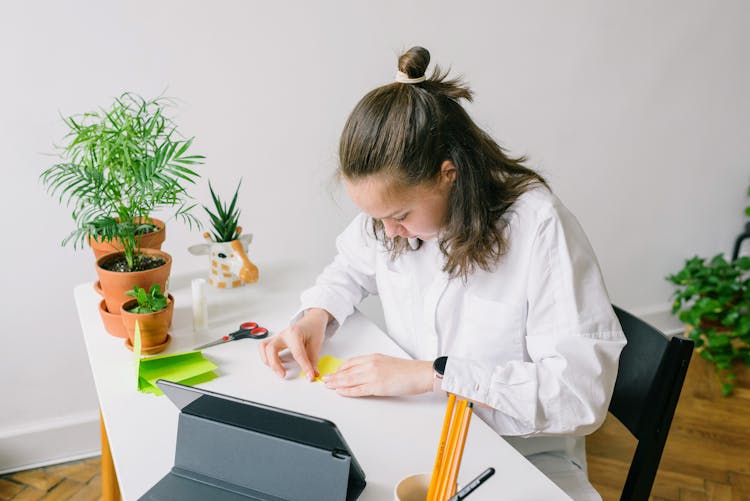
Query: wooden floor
(707, 456)
(77, 481)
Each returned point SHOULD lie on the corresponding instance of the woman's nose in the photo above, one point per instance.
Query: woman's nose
(392, 228)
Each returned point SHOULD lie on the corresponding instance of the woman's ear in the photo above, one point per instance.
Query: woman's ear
(447, 173)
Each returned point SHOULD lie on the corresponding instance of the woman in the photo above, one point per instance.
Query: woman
(474, 259)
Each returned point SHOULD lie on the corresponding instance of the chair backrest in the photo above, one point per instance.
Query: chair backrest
(649, 380)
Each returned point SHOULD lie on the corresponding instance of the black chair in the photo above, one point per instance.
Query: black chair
(649, 380)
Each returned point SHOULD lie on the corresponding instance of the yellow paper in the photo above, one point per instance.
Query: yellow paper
(326, 365)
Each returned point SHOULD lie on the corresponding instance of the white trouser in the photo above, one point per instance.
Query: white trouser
(565, 471)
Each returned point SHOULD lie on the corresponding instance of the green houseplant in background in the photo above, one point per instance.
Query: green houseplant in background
(119, 166)
(712, 298)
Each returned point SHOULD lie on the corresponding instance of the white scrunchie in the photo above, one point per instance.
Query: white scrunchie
(402, 77)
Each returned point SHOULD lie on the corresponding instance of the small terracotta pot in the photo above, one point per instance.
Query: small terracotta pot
(151, 240)
(112, 321)
(154, 326)
(115, 284)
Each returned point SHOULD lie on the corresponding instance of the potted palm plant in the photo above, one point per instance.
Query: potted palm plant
(119, 166)
(152, 311)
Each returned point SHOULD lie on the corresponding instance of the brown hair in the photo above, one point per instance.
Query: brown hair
(407, 131)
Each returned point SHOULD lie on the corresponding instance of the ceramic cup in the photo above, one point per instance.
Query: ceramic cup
(413, 488)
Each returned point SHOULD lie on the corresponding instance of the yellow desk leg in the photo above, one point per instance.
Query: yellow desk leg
(110, 488)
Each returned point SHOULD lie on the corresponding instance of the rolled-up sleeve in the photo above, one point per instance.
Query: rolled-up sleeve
(573, 342)
(349, 279)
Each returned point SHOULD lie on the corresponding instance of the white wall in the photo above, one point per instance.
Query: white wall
(636, 111)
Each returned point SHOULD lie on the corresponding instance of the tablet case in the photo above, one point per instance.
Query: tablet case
(232, 449)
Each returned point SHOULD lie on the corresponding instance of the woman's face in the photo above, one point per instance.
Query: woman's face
(406, 211)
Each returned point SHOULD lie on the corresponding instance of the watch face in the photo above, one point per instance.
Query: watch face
(439, 365)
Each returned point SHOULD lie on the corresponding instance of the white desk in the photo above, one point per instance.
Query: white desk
(391, 437)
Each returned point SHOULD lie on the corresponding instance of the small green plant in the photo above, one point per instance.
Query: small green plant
(148, 302)
(224, 222)
(119, 166)
(713, 298)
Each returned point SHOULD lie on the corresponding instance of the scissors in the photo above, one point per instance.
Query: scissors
(247, 330)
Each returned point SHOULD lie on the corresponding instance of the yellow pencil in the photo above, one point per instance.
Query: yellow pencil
(442, 486)
(441, 446)
(459, 451)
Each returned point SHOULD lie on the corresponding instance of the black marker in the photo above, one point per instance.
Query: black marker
(473, 484)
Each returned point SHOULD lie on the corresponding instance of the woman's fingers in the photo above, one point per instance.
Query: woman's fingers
(300, 355)
(354, 375)
(262, 350)
(355, 361)
(313, 350)
(354, 391)
(272, 356)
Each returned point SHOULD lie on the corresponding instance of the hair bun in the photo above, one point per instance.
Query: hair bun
(414, 62)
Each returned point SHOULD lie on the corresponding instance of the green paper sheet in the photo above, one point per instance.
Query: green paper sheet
(326, 365)
(188, 368)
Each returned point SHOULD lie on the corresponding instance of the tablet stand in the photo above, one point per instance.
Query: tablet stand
(222, 455)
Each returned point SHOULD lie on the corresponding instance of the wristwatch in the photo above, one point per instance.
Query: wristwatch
(438, 370)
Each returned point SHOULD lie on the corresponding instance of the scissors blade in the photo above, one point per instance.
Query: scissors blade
(212, 343)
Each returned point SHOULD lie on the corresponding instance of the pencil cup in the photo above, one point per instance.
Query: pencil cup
(413, 488)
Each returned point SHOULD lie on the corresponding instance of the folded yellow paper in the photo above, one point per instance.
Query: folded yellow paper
(326, 365)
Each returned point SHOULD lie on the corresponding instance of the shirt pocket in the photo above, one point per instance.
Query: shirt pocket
(492, 331)
(396, 291)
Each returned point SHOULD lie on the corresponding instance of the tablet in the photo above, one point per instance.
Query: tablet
(267, 420)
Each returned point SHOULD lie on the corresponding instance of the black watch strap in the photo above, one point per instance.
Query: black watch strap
(439, 366)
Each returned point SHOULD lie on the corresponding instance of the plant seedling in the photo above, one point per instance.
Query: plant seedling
(148, 302)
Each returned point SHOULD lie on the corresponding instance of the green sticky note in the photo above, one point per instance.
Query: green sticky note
(188, 368)
(326, 365)
(137, 354)
(178, 367)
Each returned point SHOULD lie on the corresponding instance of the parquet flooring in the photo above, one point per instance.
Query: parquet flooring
(707, 455)
(76, 481)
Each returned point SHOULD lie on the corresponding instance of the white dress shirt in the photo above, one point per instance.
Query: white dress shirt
(536, 338)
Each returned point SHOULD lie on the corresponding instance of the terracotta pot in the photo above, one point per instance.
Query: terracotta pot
(151, 240)
(112, 321)
(154, 326)
(114, 283)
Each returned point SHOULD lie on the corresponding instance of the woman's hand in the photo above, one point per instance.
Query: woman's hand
(381, 375)
(303, 339)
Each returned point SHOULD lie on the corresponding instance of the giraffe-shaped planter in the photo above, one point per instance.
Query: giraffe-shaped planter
(230, 266)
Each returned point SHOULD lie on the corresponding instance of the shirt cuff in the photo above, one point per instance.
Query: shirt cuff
(319, 299)
(508, 389)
